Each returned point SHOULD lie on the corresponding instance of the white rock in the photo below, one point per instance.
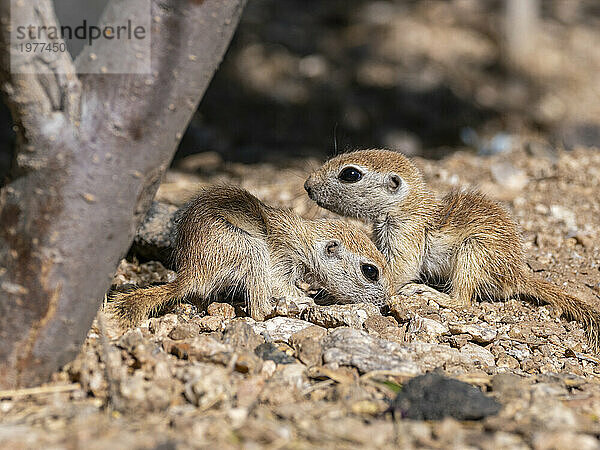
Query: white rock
(346, 346)
(237, 416)
(422, 324)
(560, 439)
(508, 176)
(564, 215)
(519, 351)
(476, 353)
(352, 315)
(480, 334)
(280, 329)
(162, 326)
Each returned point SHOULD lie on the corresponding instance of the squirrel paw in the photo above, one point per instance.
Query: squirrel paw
(429, 293)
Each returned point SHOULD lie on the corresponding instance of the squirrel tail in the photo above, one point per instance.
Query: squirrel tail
(571, 307)
(131, 308)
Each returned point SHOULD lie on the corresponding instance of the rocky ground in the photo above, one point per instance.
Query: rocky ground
(422, 76)
(327, 375)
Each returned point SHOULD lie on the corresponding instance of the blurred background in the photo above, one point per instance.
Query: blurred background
(420, 76)
(424, 77)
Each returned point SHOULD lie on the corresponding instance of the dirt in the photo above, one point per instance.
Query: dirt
(326, 377)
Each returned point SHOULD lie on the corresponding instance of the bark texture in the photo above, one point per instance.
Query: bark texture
(91, 151)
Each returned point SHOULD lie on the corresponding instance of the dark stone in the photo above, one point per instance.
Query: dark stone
(184, 331)
(167, 445)
(241, 336)
(542, 150)
(156, 234)
(575, 135)
(269, 351)
(433, 397)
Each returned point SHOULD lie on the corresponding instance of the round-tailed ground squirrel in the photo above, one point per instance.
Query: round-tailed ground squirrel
(464, 241)
(229, 242)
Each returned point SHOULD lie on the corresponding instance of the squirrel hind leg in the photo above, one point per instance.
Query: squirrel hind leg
(258, 294)
(250, 273)
(470, 277)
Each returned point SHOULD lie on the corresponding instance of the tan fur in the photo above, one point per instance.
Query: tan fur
(229, 241)
(464, 241)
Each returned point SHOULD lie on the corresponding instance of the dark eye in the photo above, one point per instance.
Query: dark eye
(370, 272)
(350, 175)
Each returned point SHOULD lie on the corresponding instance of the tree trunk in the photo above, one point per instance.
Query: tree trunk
(90, 154)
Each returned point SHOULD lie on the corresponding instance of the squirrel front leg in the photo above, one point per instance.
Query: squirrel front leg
(403, 248)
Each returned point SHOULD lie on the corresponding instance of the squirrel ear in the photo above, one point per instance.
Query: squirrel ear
(332, 248)
(393, 182)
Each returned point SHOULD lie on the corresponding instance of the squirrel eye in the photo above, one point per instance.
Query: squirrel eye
(370, 272)
(350, 175)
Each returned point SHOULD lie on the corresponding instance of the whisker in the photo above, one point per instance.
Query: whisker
(295, 173)
(313, 165)
(298, 195)
(335, 145)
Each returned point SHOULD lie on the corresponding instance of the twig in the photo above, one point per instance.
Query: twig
(387, 373)
(13, 393)
(317, 386)
(467, 378)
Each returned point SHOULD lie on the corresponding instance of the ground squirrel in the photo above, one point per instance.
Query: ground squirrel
(229, 242)
(464, 242)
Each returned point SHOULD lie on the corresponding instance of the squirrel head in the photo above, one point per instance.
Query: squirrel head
(348, 265)
(365, 184)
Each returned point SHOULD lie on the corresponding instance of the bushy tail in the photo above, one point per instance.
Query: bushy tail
(131, 308)
(572, 308)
